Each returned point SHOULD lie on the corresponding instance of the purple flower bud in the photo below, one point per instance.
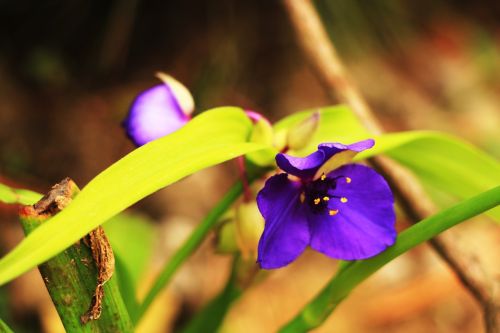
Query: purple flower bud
(256, 117)
(158, 111)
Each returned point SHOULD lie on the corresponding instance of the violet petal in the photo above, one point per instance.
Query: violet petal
(286, 232)
(363, 225)
(153, 114)
(302, 167)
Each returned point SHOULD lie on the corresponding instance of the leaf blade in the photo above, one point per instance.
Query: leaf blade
(209, 139)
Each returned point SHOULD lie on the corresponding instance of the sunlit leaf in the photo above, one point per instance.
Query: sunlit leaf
(210, 138)
(446, 165)
(449, 168)
(132, 238)
(10, 195)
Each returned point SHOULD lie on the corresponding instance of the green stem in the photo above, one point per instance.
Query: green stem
(4, 328)
(209, 319)
(316, 312)
(189, 246)
(71, 276)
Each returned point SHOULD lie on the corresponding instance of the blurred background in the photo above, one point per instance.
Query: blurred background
(69, 70)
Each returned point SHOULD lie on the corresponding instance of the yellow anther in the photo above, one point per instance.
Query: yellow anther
(326, 198)
(302, 197)
(317, 201)
(343, 199)
(323, 177)
(333, 212)
(348, 180)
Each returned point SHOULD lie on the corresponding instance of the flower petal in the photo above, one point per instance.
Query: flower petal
(361, 224)
(153, 114)
(286, 232)
(302, 167)
(337, 154)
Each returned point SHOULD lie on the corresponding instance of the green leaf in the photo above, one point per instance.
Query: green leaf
(10, 195)
(316, 312)
(449, 168)
(132, 238)
(210, 138)
(4, 328)
(445, 164)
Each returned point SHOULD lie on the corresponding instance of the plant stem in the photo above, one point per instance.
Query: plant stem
(189, 246)
(341, 285)
(4, 328)
(71, 276)
(209, 319)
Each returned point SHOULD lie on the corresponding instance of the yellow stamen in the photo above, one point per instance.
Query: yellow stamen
(317, 201)
(348, 180)
(333, 212)
(343, 199)
(323, 177)
(302, 197)
(326, 198)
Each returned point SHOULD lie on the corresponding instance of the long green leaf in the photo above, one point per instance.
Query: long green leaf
(316, 312)
(210, 138)
(443, 163)
(10, 195)
(448, 167)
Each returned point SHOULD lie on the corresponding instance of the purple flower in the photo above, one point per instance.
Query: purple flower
(158, 111)
(344, 211)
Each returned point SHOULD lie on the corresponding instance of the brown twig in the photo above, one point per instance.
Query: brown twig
(327, 65)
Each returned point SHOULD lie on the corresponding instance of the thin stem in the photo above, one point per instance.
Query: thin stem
(189, 246)
(211, 316)
(247, 194)
(324, 60)
(314, 313)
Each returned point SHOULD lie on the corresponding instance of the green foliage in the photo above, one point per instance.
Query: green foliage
(209, 318)
(443, 163)
(448, 167)
(314, 313)
(11, 195)
(132, 238)
(210, 138)
(4, 328)
(189, 246)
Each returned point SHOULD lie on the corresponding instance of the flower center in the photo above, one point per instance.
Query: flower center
(317, 194)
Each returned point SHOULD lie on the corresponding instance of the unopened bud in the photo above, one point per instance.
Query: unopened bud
(158, 111)
(181, 93)
(301, 134)
(225, 242)
(249, 228)
(262, 133)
